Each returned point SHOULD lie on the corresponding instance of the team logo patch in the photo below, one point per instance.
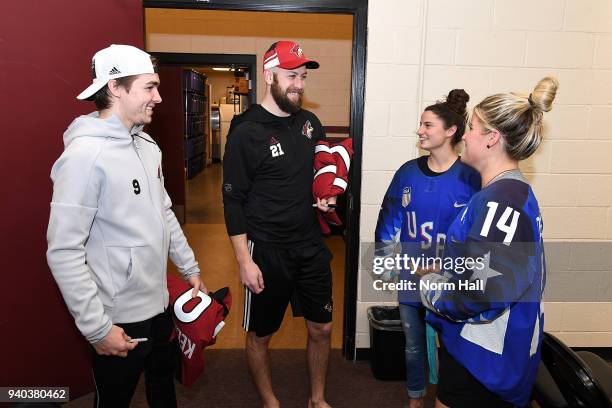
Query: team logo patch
(406, 196)
(297, 50)
(307, 129)
(227, 187)
(329, 307)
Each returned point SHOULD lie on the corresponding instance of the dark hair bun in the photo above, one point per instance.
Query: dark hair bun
(457, 101)
(452, 112)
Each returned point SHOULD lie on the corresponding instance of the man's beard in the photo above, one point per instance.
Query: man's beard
(282, 100)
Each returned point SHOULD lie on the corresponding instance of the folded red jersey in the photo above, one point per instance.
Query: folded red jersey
(331, 165)
(198, 321)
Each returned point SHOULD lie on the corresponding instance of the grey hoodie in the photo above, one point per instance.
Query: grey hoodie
(111, 227)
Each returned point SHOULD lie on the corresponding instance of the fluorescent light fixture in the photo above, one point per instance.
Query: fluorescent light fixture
(221, 68)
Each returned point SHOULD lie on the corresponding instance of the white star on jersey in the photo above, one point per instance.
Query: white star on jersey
(484, 273)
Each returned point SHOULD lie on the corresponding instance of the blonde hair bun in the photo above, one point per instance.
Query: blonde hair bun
(544, 93)
(518, 117)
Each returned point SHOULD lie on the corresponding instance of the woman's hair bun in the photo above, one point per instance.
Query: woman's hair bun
(544, 94)
(457, 100)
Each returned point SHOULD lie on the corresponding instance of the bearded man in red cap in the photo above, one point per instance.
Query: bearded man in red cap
(272, 223)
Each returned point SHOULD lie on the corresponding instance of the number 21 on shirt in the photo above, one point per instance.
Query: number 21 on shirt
(276, 150)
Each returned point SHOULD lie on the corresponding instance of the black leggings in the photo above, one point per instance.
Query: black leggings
(457, 387)
(116, 377)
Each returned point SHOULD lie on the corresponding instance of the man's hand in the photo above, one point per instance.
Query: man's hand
(115, 343)
(197, 285)
(323, 204)
(251, 277)
(250, 274)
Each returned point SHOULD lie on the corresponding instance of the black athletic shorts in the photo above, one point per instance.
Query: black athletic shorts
(301, 276)
(457, 387)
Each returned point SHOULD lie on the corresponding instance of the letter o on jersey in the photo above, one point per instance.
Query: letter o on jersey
(188, 317)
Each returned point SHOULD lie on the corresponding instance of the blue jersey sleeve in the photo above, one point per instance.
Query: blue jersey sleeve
(389, 224)
(390, 217)
(498, 234)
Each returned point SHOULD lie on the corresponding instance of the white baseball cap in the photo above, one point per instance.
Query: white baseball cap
(116, 61)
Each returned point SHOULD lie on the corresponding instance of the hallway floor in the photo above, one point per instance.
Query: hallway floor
(225, 382)
(206, 234)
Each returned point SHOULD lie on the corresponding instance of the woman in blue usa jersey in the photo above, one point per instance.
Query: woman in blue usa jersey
(422, 200)
(489, 317)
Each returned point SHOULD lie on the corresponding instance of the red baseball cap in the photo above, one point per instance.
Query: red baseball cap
(287, 55)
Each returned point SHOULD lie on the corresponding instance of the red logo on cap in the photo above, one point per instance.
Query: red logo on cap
(296, 50)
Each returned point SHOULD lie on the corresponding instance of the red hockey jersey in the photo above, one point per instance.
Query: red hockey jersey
(197, 321)
(331, 166)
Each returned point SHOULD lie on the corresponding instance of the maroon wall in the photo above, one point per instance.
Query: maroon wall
(45, 57)
(168, 131)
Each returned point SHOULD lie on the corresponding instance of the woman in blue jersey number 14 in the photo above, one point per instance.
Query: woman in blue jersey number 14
(489, 317)
(422, 200)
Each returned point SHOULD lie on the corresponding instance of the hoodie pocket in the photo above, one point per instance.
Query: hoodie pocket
(120, 267)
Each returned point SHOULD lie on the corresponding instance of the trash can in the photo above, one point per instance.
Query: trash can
(387, 343)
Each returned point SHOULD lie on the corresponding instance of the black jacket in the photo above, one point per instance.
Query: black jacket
(267, 177)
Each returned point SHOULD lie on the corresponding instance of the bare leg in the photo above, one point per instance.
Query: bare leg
(258, 358)
(317, 354)
(416, 403)
(439, 404)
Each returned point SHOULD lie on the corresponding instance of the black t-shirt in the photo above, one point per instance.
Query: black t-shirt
(424, 167)
(267, 177)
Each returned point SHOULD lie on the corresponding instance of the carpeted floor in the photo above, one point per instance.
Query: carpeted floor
(226, 384)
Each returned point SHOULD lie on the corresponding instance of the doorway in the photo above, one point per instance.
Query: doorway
(357, 10)
(192, 136)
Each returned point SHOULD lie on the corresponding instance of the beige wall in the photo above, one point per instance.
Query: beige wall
(323, 37)
(420, 49)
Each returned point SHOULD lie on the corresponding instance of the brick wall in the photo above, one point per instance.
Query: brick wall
(486, 47)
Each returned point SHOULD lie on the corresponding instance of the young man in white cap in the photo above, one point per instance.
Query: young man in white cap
(111, 230)
(269, 214)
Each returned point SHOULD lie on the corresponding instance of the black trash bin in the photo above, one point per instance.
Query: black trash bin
(387, 343)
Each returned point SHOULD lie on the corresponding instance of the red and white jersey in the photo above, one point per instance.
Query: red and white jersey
(198, 321)
(331, 169)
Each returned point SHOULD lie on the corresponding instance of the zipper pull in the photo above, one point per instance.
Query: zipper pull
(135, 144)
